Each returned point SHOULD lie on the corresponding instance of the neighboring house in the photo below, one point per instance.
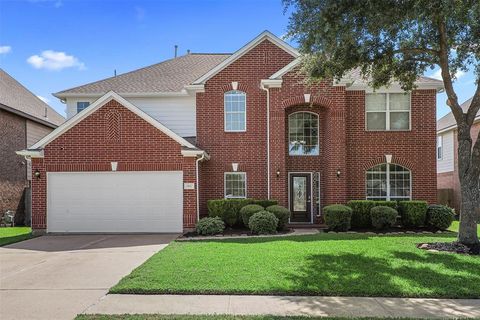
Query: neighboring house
(145, 150)
(448, 183)
(24, 119)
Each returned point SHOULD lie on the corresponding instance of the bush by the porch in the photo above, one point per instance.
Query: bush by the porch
(248, 211)
(383, 217)
(413, 213)
(361, 217)
(210, 226)
(338, 217)
(229, 209)
(263, 222)
(282, 214)
(439, 217)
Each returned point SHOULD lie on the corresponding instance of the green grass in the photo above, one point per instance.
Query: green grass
(10, 235)
(323, 264)
(455, 225)
(209, 317)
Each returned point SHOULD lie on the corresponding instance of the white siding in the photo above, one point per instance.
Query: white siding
(35, 132)
(446, 163)
(176, 113)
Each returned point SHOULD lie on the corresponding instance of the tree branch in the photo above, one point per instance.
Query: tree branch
(417, 50)
(474, 107)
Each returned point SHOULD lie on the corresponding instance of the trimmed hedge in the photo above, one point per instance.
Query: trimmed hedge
(264, 202)
(210, 226)
(229, 209)
(263, 222)
(413, 213)
(361, 217)
(338, 217)
(383, 217)
(282, 214)
(439, 217)
(248, 211)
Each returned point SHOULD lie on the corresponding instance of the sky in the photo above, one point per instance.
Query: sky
(52, 45)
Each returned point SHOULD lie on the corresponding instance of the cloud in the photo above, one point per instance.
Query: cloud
(5, 49)
(438, 74)
(43, 99)
(55, 60)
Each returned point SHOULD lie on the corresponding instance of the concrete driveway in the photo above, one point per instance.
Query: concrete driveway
(57, 277)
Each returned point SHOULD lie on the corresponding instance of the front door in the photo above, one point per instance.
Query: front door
(300, 197)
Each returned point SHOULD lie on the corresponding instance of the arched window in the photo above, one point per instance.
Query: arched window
(235, 104)
(303, 134)
(388, 182)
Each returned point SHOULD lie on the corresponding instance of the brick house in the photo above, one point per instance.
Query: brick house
(448, 183)
(145, 150)
(24, 119)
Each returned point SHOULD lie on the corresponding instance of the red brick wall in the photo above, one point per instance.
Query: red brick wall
(248, 149)
(94, 142)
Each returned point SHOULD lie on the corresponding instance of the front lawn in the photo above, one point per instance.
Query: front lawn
(323, 264)
(9, 235)
(207, 317)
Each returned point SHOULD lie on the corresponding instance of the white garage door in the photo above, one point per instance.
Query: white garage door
(115, 201)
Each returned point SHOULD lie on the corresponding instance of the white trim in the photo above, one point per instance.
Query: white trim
(195, 153)
(30, 153)
(318, 134)
(195, 88)
(279, 74)
(267, 83)
(225, 184)
(266, 35)
(225, 112)
(387, 113)
(387, 173)
(439, 146)
(311, 195)
(97, 105)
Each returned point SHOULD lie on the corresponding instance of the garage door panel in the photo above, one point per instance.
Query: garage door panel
(115, 202)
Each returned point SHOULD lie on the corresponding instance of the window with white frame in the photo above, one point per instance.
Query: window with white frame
(235, 185)
(303, 134)
(82, 105)
(387, 111)
(235, 103)
(388, 182)
(439, 147)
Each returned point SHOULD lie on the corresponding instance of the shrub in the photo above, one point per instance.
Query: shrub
(210, 226)
(439, 217)
(227, 209)
(263, 222)
(247, 212)
(361, 209)
(282, 214)
(337, 217)
(383, 217)
(413, 213)
(264, 202)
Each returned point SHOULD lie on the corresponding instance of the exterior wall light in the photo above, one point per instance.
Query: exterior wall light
(338, 173)
(278, 173)
(37, 174)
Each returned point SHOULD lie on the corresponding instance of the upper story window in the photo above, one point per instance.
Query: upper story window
(387, 111)
(82, 105)
(388, 181)
(303, 134)
(439, 147)
(235, 111)
(235, 185)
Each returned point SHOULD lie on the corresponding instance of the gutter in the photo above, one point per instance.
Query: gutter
(197, 177)
(266, 89)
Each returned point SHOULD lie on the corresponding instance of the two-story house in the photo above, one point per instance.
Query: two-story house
(145, 150)
(447, 157)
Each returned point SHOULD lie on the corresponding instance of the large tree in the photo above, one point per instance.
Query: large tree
(398, 40)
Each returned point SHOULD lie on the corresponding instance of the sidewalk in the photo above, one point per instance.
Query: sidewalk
(286, 305)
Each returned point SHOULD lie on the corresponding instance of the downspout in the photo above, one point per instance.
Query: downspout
(262, 86)
(198, 184)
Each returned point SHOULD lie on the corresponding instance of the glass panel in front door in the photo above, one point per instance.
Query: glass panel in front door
(299, 193)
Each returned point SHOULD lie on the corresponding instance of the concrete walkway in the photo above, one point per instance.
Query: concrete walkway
(286, 305)
(57, 277)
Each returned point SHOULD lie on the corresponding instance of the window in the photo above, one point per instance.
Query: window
(235, 111)
(439, 147)
(388, 182)
(387, 111)
(235, 185)
(82, 105)
(303, 134)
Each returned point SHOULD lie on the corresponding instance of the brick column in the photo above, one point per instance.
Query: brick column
(39, 197)
(189, 196)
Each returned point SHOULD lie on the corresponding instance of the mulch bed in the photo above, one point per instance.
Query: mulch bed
(233, 232)
(453, 247)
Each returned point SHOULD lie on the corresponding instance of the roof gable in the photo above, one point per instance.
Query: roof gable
(97, 105)
(448, 122)
(266, 35)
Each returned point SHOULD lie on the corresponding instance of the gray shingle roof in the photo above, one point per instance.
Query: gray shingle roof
(167, 76)
(355, 75)
(16, 98)
(448, 120)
